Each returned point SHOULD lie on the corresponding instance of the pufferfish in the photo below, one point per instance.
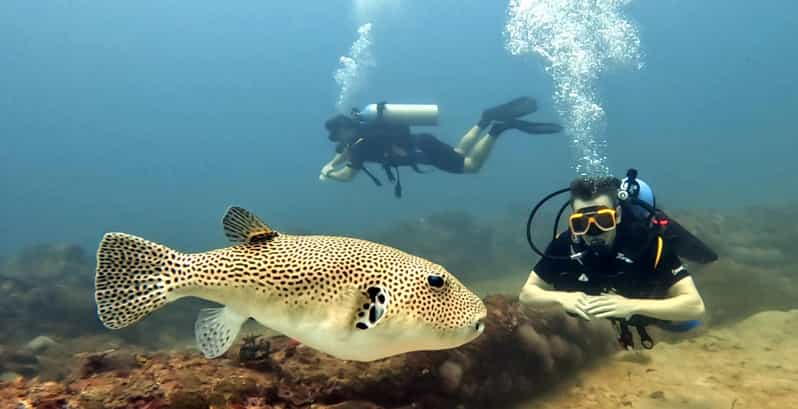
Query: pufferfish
(350, 298)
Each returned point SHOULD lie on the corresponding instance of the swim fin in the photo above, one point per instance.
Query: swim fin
(526, 127)
(510, 110)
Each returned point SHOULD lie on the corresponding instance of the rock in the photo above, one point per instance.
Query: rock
(9, 377)
(22, 362)
(42, 291)
(657, 395)
(491, 371)
(254, 353)
(451, 374)
(559, 347)
(110, 360)
(40, 344)
(53, 260)
(352, 404)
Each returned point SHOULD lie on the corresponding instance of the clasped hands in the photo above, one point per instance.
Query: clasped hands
(325, 171)
(599, 306)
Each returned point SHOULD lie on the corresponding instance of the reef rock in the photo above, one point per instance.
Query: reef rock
(522, 352)
(46, 288)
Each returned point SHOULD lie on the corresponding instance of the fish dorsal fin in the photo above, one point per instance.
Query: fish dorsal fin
(241, 226)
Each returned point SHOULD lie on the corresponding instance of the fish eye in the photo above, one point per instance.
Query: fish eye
(435, 281)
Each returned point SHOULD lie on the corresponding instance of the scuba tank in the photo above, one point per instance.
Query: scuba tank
(399, 114)
(641, 190)
(383, 119)
(638, 197)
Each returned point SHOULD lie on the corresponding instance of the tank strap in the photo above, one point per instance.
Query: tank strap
(371, 175)
(380, 110)
(397, 187)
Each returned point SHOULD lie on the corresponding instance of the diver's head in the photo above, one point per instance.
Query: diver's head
(342, 128)
(595, 210)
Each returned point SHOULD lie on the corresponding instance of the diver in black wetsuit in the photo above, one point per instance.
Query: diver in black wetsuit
(629, 272)
(393, 145)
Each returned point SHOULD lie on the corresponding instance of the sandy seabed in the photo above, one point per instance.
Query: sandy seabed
(750, 365)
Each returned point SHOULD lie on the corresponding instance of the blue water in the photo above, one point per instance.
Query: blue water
(150, 117)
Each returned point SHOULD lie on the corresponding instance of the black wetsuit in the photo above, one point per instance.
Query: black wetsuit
(395, 146)
(640, 266)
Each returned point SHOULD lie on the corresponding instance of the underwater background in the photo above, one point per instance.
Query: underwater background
(151, 117)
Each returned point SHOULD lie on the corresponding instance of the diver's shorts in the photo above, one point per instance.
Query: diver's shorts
(431, 151)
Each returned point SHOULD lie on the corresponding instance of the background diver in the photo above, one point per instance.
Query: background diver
(619, 261)
(387, 140)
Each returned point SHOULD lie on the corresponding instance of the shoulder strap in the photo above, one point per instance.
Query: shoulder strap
(659, 251)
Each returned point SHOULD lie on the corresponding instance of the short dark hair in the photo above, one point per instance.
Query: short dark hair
(340, 121)
(591, 187)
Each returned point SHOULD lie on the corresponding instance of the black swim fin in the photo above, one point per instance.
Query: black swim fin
(687, 245)
(510, 110)
(526, 127)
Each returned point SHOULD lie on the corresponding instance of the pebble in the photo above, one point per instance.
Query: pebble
(657, 395)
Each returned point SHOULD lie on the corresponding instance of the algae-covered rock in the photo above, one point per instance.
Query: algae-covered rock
(47, 289)
(41, 344)
(757, 262)
(497, 368)
(67, 263)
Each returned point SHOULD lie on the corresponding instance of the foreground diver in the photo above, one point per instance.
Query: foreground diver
(629, 272)
(386, 140)
(350, 298)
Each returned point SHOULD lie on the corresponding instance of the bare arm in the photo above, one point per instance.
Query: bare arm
(538, 292)
(683, 303)
(337, 160)
(344, 174)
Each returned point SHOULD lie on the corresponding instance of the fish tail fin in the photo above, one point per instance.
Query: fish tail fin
(135, 277)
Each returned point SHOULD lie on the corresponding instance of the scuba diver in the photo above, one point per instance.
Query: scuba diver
(619, 259)
(381, 134)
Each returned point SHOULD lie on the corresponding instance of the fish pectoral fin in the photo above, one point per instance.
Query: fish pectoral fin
(242, 226)
(216, 330)
(369, 314)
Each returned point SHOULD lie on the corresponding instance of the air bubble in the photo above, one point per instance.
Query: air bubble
(353, 68)
(578, 40)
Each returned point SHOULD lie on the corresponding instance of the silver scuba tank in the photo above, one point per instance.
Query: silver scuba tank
(401, 114)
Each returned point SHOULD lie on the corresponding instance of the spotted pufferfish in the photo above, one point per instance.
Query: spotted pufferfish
(350, 298)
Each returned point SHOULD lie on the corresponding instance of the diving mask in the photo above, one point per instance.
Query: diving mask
(604, 219)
